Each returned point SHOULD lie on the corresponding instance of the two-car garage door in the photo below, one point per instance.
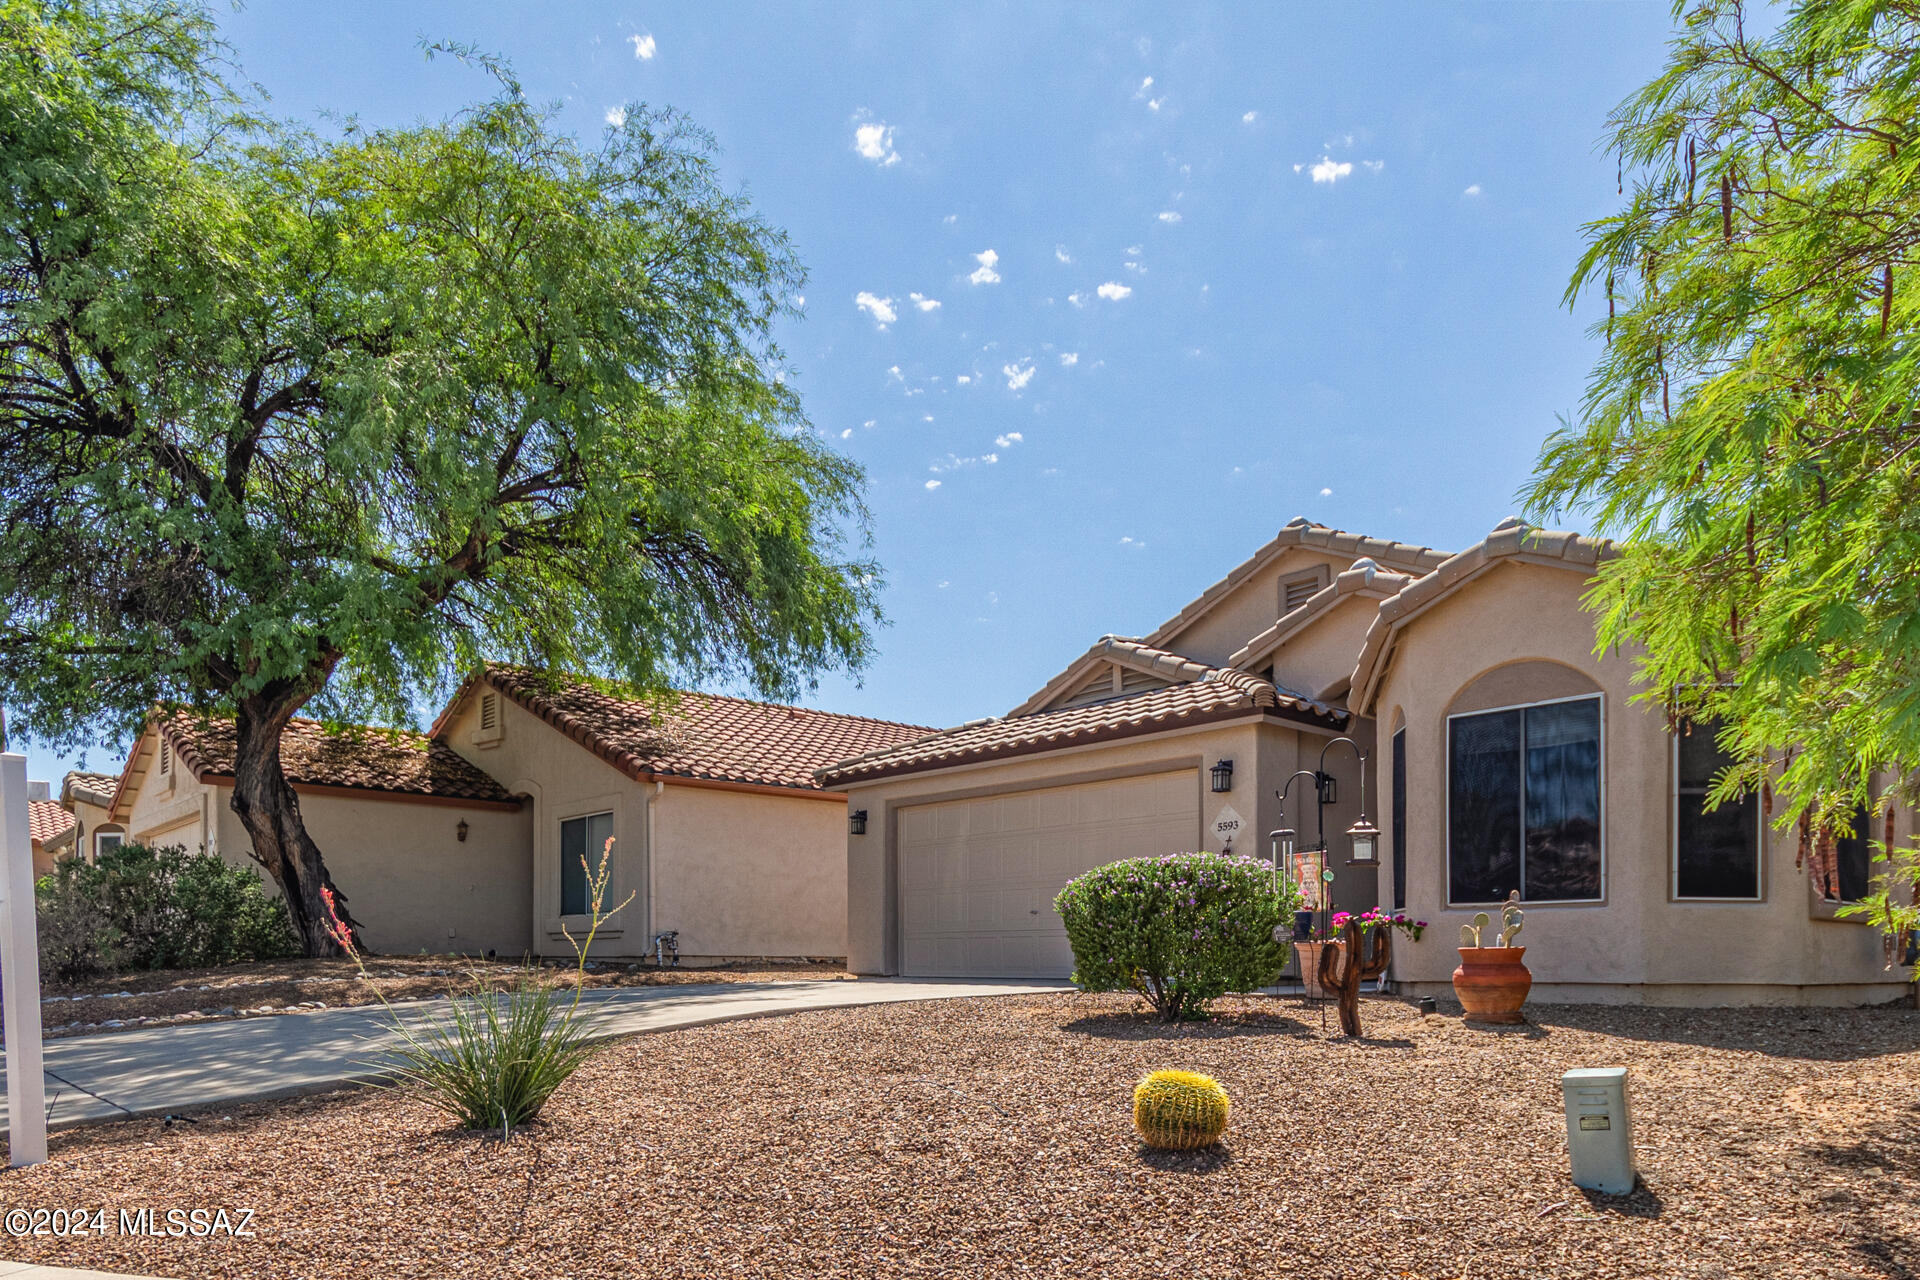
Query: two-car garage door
(978, 877)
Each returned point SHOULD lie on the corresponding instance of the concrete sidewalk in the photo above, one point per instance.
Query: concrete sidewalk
(33, 1271)
(189, 1068)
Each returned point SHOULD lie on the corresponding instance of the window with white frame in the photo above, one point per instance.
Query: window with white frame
(1716, 851)
(1524, 795)
(581, 842)
(107, 841)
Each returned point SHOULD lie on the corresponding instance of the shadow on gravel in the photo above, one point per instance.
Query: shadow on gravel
(1642, 1202)
(1204, 1161)
(1807, 1034)
(1139, 1026)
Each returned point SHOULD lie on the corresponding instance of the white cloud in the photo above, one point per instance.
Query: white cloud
(1133, 251)
(1135, 543)
(1113, 290)
(1060, 254)
(1473, 190)
(1153, 104)
(617, 117)
(985, 274)
(1373, 166)
(950, 219)
(1068, 359)
(989, 458)
(1250, 117)
(881, 309)
(1019, 374)
(1008, 440)
(874, 141)
(1145, 85)
(1328, 169)
(964, 379)
(869, 423)
(923, 302)
(894, 374)
(1077, 299)
(933, 484)
(1168, 215)
(1326, 493)
(847, 434)
(643, 47)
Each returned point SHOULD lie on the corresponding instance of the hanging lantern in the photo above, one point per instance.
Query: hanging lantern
(1366, 843)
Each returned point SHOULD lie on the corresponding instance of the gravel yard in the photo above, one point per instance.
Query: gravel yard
(257, 990)
(991, 1137)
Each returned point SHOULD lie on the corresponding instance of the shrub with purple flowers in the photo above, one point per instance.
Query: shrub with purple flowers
(1180, 929)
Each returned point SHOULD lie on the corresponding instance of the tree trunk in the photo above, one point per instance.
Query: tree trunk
(270, 811)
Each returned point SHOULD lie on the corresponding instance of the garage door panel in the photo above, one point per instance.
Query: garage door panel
(978, 877)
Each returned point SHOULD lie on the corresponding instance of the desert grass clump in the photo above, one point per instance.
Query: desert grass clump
(493, 1063)
(1180, 1110)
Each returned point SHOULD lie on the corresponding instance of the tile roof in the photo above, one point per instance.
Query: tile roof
(705, 736)
(1302, 532)
(1513, 539)
(1365, 578)
(48, 825)
(397, 761)
(1215, 694)
(89, 788)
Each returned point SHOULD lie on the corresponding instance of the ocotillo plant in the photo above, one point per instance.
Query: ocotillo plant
(1344, 967)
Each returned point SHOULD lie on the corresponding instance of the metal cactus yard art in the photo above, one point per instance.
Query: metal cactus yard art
(1362, 953)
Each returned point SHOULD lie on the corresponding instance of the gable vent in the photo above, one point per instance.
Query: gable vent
(487, 731)
(1296, 591)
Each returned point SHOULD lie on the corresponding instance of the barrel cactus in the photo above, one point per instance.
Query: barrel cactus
(1179, 1110)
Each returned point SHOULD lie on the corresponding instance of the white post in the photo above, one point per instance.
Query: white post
(20, 972)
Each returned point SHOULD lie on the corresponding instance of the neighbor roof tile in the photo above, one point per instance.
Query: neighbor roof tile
(399, 761)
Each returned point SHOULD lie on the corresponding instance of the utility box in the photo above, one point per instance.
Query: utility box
(1599, 1129)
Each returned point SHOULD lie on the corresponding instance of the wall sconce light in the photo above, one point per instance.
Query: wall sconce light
(1222, 776)
(857, 822)
(461, 831)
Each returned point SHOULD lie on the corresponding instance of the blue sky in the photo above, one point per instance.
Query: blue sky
(1100, 296)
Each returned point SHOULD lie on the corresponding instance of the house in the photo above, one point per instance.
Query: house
(471, 838)
(89, 798)
(50, 832)
(722, 833)
(1501, 754)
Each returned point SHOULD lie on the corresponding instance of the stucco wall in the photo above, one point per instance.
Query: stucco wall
(1638, 943)
(565, 780)
(1251, 607)
(740, 874)
(1264, 753)
(408, 879)
(1319, 658)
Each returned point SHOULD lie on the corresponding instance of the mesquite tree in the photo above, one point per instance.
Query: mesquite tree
(1753, 424)
(295, 421)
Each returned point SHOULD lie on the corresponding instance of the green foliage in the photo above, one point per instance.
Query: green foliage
(1751, 425)
(140, 908)
(1180, 1110)
(498, 1057)
(1180, 929)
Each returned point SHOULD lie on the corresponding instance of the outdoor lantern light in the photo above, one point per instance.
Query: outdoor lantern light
(1222, 776)
(1329, 788)
(857, 822)
(461, 831)
(1366, 843)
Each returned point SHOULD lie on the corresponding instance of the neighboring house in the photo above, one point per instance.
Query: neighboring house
(89, 798)
(1513, 758)
(50, 830)
(722, 833)
(429, 851)
(471, 838)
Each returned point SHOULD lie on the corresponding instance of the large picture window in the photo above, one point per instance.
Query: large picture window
(1716, 853)
(1523, 803)
(1852, 859)
(581, 840)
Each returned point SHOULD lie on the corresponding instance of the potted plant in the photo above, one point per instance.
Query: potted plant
(1492, 982)
(1310, 943)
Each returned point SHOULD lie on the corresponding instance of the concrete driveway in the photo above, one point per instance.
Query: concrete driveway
(189, 1068)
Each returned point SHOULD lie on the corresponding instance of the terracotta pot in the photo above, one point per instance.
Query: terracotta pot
(1309, 956)
(1492, 983)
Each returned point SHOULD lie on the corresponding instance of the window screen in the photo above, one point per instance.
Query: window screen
(1716, 852)
(1853, 859)
(1523, 803)
(581, 842)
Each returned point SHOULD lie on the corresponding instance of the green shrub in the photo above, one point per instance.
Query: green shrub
(140, 908)
(494, 1063)
(1180, 929)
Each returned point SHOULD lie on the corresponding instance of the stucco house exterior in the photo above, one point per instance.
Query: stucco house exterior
(1502, 754)
(50, 833)
(89, 798)
(468, 839)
